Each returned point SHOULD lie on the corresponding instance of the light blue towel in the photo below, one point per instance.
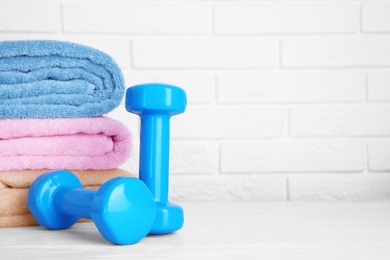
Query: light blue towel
(52, 79)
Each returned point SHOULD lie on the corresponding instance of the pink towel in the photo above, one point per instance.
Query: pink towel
(74, 144)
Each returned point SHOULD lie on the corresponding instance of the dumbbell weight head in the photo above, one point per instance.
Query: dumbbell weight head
(155, 98)
(122, 209)
(41, 199)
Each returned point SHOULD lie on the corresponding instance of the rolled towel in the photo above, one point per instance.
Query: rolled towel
(76, 144)
(14, 188)
(51, 79)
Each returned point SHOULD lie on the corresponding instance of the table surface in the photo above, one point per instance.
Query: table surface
(239, 230)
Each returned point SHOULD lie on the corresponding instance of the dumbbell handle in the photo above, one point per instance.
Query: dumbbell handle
(75, 202)
(154, 154)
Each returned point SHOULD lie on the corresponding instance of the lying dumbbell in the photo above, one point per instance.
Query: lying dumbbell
(155, 104)
(123, 208)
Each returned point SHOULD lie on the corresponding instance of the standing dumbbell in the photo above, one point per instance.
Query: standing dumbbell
(123, 208)
(155, 104)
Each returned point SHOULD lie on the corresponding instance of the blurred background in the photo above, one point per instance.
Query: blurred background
(288, 100)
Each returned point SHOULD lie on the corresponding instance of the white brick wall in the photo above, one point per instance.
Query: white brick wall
(137, 18)
(292, 156)
(288, 100)
(204, 52)
(350, 121)
(292, 87)
(356, 51)
(286, 18)
(29, 16)
(375, 17)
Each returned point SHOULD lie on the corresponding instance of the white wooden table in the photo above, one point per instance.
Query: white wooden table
(310, 230)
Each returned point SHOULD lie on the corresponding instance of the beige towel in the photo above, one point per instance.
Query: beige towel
(14, 186)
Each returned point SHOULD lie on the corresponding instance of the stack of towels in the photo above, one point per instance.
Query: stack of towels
(53, 96)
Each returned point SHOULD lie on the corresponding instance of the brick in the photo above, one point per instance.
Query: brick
(199, 86)
(337, 187)
(291, 87)
(234, 187)
(194, 157)
(229, 122)
(379, 85)
(337, 52)
(375, 17)
(205, 52)
(29, 16)
(271, 18)
(292, 156)
(140, 18)
(340, 121)
(378, 156)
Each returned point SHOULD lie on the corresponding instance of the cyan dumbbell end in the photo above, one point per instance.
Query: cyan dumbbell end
(155, 98)
(123, 209)
(40, 199)
(129, 210)
(169, 218)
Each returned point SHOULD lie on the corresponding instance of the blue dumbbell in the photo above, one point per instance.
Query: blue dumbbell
(123, 208)
(155, 104)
